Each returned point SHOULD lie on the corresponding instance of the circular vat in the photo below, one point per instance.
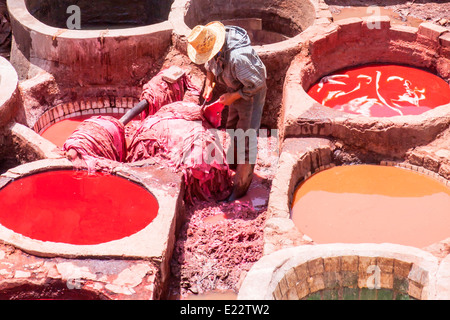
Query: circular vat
(265, 21)
(381, 90)
(105, 14)
(356, 45)
(58, 123)
(275, 28)
(343, 272)
(76, 207)
(372, 204)
(116, 46)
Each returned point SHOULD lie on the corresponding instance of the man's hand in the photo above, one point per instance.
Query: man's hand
(207, 93)
(228, 98)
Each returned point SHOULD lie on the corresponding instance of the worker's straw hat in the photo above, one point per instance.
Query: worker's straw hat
(205, 42)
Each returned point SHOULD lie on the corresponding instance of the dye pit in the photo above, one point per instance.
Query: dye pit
(217, 245)
(372, 204)
(104, 15)
(65, 206)
(61, 130)
(381, 91)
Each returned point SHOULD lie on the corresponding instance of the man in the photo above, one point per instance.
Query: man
(231, 61)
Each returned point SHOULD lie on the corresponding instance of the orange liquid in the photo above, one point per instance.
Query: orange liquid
(59, 132)
(372, 204)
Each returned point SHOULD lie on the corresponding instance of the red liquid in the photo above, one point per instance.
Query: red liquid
(76, 208)
(372, 204)
(382, 91)
(61, 130)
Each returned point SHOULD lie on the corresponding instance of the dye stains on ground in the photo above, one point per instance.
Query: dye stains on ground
(381, 91)
(76, 207)
(372, 204)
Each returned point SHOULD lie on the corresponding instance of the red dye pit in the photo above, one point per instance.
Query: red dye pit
(76, 207)
(381, 91)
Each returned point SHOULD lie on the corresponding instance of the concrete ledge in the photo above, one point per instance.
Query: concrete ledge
(9, 92)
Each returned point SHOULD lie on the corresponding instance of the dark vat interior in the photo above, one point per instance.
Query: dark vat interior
(280, 20)
(57, 290)
(102, 14)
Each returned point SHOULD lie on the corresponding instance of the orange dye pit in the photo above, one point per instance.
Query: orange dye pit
(59, 132)
(372, 204)
(381, 91)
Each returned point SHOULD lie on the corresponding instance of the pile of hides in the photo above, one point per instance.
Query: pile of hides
(99, 141)
(168, 86)
(172, 130)
(180, 136)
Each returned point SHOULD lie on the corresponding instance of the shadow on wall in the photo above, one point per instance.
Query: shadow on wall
(375, 2)
(5, 31)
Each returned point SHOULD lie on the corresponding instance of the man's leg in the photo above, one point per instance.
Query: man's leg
(232, 120)
(246, 142)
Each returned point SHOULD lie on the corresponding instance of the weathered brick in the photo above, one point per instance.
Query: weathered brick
(292, 294)
(387, 280)
(332, 264)
(349, 263)
(445, 40)
(291, 278)
(349, 279)
(316, 283)
(403, 33)
(315, 266)
(418, 275)
(401, 284)
(365, 263)
(302, 289)
(431, 30)
(332, 280)
(402, 268)
(283, 286)
(302, 271)
(415, 290)
(386, 265)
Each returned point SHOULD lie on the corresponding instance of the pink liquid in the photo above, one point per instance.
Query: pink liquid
(372, 204)
(76, 208)
(381, 91)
